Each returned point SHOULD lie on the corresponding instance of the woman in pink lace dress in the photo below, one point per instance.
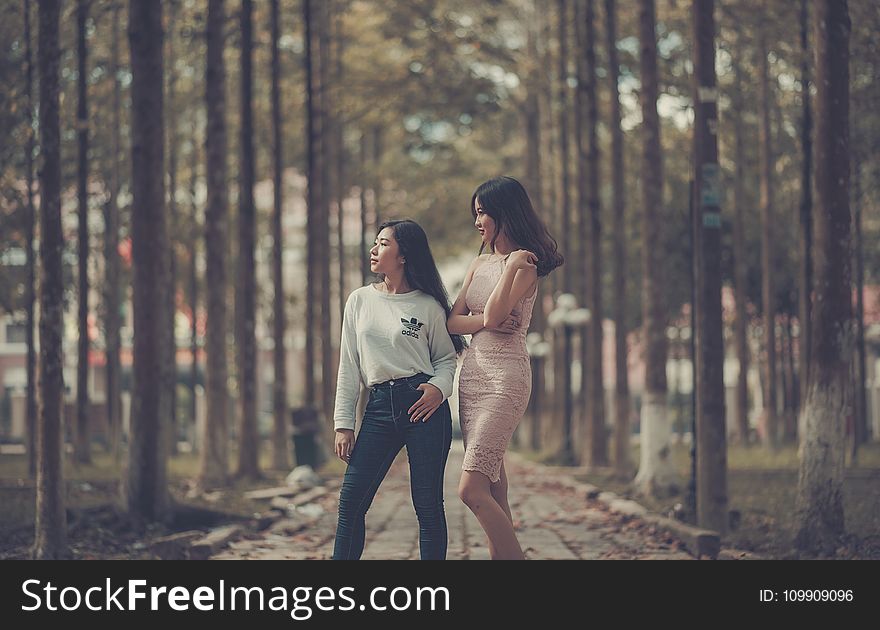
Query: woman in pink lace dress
(495, 306)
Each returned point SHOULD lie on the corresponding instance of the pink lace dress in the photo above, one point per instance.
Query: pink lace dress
(495, 381)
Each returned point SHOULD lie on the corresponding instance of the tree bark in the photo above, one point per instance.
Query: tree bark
(339, 154)
(820, 516)
(790, 383)
(328, 373)
(595, 449)
(249, 439)
(562, 283)
(534, 163)
(532, 113)
(565, 203)
(313, 211)
(598, 435)
(739, 258)
(377, 177)
(656, 474)
(29, 231)
(711, 427)
(280, 442)
(770, 436)
(860, 417)
(805, 242)
(337, 45)
(214, 457)
(546, 111)
(82, 446)
(50, 536)
(194, 287)
(622, 462)
(582, 219)
(112, 297)
(362, 173)
(170, 364)
(147, 492)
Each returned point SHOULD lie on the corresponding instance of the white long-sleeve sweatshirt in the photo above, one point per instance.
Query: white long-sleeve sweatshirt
(389, 336)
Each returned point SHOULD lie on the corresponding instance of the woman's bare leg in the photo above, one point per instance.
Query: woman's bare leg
(475, 491)
(499, 493)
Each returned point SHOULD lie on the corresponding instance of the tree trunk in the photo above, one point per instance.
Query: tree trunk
(326, 62)
(656, 474)
(582, 219)
(565, 218)
(554, 432)
(551, 200)
(280, 441)
(112, 297)
(622, 463)
(860, 417)
(328, 373)
(362, 172)
(820, 518)
(711, 445)
(534, 163)
(338, 141)
(533, 112)
(82, 447)
(31, 288)
(377, 177)
(533, 123)
(248, 436)
(562, 283)
(339, 154)
(214, 460)
(594, 451)
(194, 288)
(598, 438)
(147, 492)
(313, 211)
(805, 242)
(740, 329)
(790, 384)
(170, 364)
(769, 420)
(50, 536)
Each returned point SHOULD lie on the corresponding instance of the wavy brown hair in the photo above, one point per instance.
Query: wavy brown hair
(507, 202)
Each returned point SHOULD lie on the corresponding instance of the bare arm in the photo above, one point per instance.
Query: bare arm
(464, 324)
(460, 321)
(515, 282)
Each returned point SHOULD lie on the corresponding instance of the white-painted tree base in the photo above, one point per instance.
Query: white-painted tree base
(822, 459)
(656, 474)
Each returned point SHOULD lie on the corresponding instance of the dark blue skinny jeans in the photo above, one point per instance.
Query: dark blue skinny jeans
(385, 429)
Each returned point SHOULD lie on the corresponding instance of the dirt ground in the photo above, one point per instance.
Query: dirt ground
(762, 487)
(97, 527)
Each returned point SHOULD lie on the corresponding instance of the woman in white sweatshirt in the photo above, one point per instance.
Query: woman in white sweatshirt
(394, 340)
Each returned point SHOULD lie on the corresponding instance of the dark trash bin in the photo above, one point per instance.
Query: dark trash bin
(306, 425)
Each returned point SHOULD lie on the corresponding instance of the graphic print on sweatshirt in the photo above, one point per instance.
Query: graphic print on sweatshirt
(411, 328)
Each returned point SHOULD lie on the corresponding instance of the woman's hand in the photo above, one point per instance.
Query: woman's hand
(425, 406)
(508, 326)
(522, 259)
(344, 444)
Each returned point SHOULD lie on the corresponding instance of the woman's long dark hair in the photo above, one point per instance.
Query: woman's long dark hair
(507, 202)
(420, 269)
